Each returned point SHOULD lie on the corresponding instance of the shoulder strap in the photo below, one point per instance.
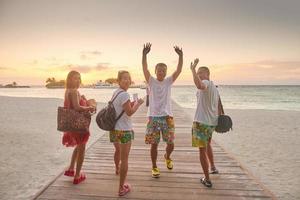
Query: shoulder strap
(114, 98)
(221, 105)
(120, 115)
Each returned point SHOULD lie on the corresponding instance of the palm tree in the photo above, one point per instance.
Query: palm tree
(111, 81)
(50, 80)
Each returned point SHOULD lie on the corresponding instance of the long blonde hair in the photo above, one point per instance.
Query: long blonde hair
(69, 83)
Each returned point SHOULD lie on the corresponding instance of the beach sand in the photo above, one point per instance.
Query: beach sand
(31, 149)
(265, 142)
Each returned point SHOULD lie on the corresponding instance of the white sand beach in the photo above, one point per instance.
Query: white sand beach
(266, 142)
(31, 149)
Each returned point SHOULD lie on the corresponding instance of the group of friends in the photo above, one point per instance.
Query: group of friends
(160, 119)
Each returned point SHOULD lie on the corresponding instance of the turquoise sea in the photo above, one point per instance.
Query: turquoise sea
(233, 96)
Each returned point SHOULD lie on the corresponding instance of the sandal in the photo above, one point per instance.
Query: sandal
(80, 179)
(125, 190)
(69, 172)
(206, 182)
(169, 162)
(127, 185)
(214, 171)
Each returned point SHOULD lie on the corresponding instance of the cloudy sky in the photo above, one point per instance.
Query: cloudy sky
(242, 42)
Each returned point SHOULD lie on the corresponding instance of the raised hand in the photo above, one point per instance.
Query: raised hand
(147, 48)
(194, 64)
(178, 50)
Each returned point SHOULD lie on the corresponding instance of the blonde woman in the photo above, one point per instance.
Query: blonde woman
(75, 139)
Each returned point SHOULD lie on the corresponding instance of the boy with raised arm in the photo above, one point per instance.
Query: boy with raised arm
(206, 118)
(160, 116)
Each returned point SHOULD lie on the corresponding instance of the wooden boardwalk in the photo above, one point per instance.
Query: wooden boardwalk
(183, 182)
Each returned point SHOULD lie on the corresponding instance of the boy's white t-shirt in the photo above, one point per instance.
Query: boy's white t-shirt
(124, 123)
(160, 97)
(207, 104)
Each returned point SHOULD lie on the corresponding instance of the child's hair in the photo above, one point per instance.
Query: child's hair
(120, 74)
(69, 84)
(160, 65)
(204, 69)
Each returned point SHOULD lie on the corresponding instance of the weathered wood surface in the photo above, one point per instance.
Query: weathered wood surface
(183, 182)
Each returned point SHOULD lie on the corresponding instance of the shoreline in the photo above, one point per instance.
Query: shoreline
(186, 108)
(32, 144)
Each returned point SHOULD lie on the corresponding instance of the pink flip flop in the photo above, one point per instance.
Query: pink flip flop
(69, 172)
(125, 190)
(80, 179)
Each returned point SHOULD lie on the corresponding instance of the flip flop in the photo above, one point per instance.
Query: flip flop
(80, 179)
(206, 182)
(69, 172)
(127, 185)
(125, 190)
(214, 171)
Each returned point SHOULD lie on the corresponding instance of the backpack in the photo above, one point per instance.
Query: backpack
(106, 118)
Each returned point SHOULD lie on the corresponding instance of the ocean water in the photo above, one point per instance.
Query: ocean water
(256, 149)
(233, 97)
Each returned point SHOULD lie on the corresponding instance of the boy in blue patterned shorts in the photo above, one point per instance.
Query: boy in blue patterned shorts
(206, 119)
(160, 114)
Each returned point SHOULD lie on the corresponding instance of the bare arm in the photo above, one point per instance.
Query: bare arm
(131, 110)
(74, 100)
(146, 50)
(180, 62)
(197, 80)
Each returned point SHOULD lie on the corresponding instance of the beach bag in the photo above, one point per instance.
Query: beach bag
(224, 124)
(224, 121)
(72, 120)
(107, 117)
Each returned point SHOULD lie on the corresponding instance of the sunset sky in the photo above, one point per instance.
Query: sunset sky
(242, 42)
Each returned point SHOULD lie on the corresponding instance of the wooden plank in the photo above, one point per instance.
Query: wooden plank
(183, 182)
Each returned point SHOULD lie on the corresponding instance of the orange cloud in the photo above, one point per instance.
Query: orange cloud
(6, 69)
(88, 55)
(261, 72)
(85, 68)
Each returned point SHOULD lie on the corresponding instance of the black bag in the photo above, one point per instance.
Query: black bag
(224, 121)
(224, 124)
(106, 118)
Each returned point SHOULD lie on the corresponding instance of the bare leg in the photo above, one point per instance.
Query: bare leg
(210, 155)
(204, 161)
(124, 152)
(169, 150)
(117, 157)
(73, 159)
(154, 154)
(80, 158)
